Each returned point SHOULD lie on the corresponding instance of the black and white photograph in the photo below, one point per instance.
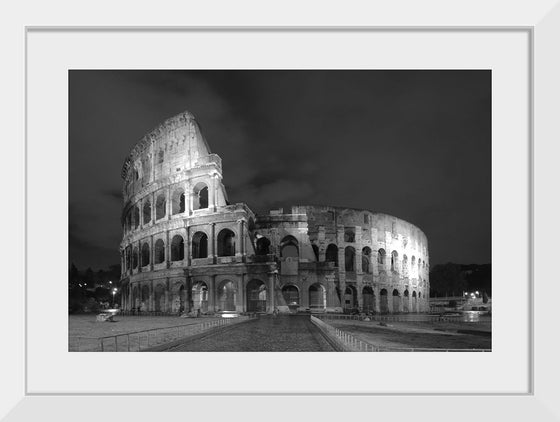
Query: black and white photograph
(280, 210)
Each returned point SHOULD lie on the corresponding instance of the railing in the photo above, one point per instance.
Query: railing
(148, 313)
(402, 318)
(141, 340)
(346, 342)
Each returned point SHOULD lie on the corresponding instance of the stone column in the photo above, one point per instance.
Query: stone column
(167, 249)
(342, 287)
(188, 198)
(139, 256)
(271, 301)
(358, 261)
(168, 203)
(360, 291)
(187, 247)
(153, 209)
(240, 305)
(376, 299)
(212, 242)
(405, 300)
(212, 193)
(241, 235)
(152, 253)
(213, 294)
(341, 263)
(130, 258)
(141, 212)
(188, 291)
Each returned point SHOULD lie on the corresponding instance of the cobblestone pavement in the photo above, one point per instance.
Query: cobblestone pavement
(293, 333)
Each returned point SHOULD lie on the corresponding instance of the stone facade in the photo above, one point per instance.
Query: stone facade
(185, 247)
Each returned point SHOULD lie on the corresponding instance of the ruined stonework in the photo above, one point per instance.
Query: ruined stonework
(186, 248)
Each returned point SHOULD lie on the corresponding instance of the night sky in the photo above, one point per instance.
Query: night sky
(413, 144)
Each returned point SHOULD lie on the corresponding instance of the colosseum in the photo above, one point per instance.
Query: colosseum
(186, 248)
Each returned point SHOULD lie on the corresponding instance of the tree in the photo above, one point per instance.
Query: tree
(447, 280)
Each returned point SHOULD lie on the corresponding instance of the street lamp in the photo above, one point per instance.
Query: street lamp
(114, 292)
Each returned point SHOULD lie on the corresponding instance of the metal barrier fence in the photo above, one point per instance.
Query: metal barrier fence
(136, 341)
(148, 313)
(348, 343)
(403, 318)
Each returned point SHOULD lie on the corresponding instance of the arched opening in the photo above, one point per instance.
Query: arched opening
(147, 211)
(177, 248)
(349, 257)
(350, 298)
(226, 296)
(317, 297)
(159, 298)
(226, 243)
(414, 302)
(381, 258)
(394, 261)
(160, 206)
(315, 251)
(290, 293)
(200, 296)
(366, 257)
(383, 301)
(406, 301)
(412, 265)
(136, 216)
(135, 258)
(145, 300)
(368, 298)
(396, 301)
(405, 266)
(331, 254)
(200, 196)
(256, 296)
(263, 246)
(145, 255)
(159, 249)
(289, 247)
(160, 156)
(178, 201)
(199, 245)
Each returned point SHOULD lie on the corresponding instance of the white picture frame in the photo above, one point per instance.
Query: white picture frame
(541, 21)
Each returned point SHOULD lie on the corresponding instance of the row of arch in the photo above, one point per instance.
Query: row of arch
(226, 297)
(289, 248)
(178, 206)
(199, 249)
(408, 302)
(256, 296)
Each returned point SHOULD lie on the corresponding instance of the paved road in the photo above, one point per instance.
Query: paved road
(294, 333)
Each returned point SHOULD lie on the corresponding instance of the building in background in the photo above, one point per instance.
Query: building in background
(185, 247)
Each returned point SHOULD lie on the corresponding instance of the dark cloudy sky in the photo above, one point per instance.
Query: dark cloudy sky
(413, 144)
